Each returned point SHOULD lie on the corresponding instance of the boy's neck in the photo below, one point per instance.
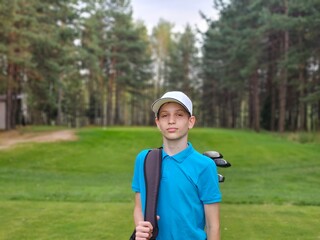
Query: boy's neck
(174, 147)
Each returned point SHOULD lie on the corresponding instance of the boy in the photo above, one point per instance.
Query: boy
(189, 195)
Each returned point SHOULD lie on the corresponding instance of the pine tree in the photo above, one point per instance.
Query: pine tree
(53, 52)
(93, 61)
(126, 53)
(16, 20)
(266, 51)
(161, 40)
(182, 62)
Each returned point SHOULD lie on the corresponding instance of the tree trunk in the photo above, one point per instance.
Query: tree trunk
(59, 108)
(302, 108)
(111, 82)
(109, 101)
(271, 90)
(251, 105)
(103, 107)
(273, 109)
(283, 80)
(186, 72)
(117, 119)
(255, 101)
(9, 109)
(317, 128)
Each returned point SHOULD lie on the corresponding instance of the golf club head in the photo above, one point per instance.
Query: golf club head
(217, 158)
(220, 162)
(213, 154)
(220, 177)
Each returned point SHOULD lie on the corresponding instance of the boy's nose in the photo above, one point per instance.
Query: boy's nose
(172, 119)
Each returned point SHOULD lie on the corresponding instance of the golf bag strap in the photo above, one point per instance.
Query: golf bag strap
(152, 174)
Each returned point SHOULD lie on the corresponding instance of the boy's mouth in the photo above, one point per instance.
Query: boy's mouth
(171, 130)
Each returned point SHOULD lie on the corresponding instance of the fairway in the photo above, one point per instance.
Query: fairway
(81, 189)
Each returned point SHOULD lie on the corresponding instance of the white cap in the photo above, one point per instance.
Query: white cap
(174, 96)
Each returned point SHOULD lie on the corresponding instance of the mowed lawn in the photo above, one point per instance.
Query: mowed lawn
(82, 189)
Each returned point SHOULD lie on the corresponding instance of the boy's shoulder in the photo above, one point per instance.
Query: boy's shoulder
(143, 153)
(201, 160)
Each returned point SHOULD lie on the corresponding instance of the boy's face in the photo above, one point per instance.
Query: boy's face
(174, 121)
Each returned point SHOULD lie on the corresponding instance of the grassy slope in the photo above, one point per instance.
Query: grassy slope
(81, 190)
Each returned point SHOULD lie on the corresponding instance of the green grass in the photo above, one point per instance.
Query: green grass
(64, 220)
(82, 189)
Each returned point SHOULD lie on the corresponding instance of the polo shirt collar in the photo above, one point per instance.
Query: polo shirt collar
(179, 157)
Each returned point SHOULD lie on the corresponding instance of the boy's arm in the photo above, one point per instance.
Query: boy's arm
(137, 212)
(212, 212)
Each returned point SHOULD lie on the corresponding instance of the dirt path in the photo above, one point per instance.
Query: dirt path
(11, 138)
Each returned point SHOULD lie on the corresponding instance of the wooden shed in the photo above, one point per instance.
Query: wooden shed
(2, 112)
(22, 109)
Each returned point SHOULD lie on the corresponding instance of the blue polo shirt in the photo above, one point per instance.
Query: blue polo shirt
(189, 180)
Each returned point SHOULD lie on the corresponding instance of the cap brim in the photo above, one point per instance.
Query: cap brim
(158, 103)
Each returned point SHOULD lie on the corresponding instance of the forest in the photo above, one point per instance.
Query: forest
(88, 62)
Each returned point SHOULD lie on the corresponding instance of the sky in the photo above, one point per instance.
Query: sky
(178, 12)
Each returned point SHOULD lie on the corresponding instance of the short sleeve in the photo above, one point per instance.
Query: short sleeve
(208, 185)
(138, 174)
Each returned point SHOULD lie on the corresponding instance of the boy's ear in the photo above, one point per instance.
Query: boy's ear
(157, 122)
(192, 121)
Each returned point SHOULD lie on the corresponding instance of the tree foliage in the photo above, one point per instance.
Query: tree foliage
(78, 62)
(262, 62)
(88, 62)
